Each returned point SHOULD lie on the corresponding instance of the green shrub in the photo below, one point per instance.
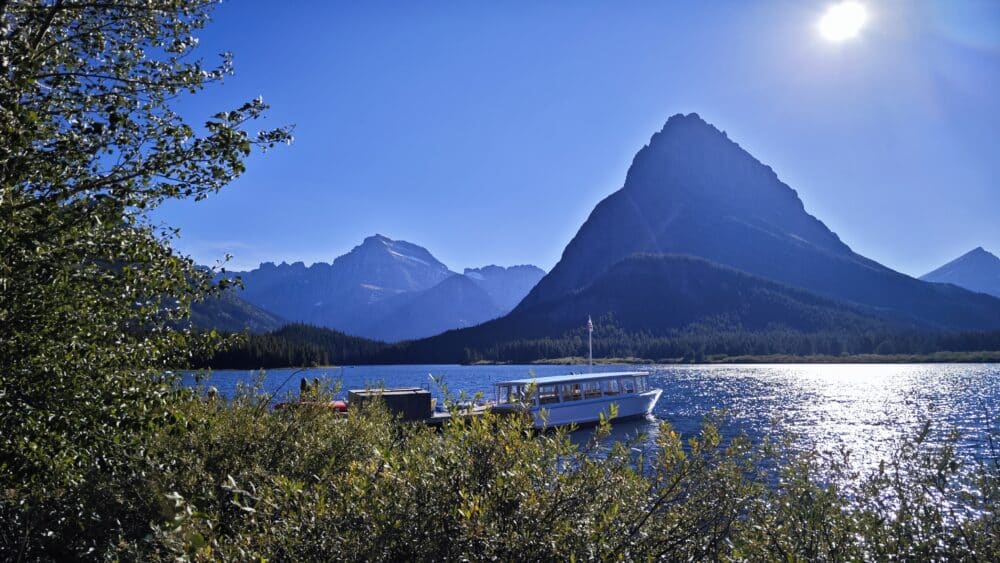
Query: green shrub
(234, 480)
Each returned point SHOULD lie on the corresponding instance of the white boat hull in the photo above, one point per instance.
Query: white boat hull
(588, 411)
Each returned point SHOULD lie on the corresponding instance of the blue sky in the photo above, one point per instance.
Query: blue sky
(487, 132)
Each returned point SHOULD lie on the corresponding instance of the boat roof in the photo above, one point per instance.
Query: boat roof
(549, 380)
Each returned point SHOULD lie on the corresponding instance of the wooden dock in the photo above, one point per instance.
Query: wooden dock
(410, 404)
(438, 419)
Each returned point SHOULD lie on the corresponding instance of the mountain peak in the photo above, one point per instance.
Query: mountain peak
(691, 126)
(380, 247)
(376, 239)
(690, 119)
(691, 157)
(978, 254)
(976, 270)
(692, 190)
(506, 286)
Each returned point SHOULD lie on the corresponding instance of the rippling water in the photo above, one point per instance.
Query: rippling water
(867, 408)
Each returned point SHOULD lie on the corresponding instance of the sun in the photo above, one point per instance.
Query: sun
(843, 20)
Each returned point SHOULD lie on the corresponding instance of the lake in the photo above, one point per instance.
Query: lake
(867, 408)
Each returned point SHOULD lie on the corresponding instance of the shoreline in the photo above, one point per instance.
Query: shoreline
(936, 358)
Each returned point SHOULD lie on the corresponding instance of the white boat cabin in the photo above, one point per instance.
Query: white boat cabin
(545, 391)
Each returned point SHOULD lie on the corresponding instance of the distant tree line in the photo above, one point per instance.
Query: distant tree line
(699, 346)
(304, 345)
(295, 345)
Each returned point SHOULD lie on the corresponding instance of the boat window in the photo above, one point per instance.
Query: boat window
(570, 392)
(611, 387)
(640, 384)
(628, 385)
(514, 394)
(548, 394)
(592, 389)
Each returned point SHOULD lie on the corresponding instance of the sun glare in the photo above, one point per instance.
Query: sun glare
(843, 20)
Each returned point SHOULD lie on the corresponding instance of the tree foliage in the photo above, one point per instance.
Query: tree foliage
(294, 345)
(92, 293)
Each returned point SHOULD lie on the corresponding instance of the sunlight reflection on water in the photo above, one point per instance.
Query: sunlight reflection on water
(867, 408)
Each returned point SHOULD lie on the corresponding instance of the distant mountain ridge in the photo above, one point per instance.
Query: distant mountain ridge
(506, 286)
(332, 292)
(456, 302)
(388, 290)
(977, 270)
(462, 300)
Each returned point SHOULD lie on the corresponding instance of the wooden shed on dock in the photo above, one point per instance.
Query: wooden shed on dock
(410, 403)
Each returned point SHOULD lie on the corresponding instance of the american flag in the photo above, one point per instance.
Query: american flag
(590, 324)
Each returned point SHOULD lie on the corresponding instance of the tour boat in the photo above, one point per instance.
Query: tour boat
(578, 399)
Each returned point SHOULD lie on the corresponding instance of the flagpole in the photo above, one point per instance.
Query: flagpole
(590, 344)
